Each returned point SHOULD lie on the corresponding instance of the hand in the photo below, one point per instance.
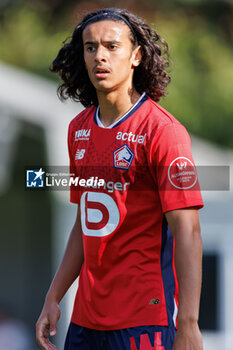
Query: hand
(188, 337)
(47, 325)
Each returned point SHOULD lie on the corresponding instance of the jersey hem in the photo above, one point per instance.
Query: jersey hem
(74, 201)
(123, 326)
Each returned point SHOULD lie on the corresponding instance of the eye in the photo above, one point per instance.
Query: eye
(90, 48)
(112, 47)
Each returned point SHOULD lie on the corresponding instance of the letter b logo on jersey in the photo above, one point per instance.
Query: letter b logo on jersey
(99, 214)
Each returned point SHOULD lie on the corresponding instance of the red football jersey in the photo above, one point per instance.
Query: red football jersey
(128, 277)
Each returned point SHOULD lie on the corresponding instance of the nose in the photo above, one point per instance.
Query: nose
(100, 54)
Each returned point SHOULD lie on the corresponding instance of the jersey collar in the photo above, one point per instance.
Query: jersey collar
(134, 108)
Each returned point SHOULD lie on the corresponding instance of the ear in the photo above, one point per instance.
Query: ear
(137, 56)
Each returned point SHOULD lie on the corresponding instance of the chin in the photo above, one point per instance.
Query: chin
(103, 88)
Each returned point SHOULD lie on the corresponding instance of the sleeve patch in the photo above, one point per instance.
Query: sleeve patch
(182, 173)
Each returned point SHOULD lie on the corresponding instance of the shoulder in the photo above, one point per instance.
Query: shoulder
(160, 116)
(82, 118)
(161, 122)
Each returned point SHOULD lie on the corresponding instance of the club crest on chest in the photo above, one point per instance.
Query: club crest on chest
(123, 157)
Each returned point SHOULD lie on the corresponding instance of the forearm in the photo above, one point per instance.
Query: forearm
(70, 266)
(67, 272)
(185, 227)
(188, 263)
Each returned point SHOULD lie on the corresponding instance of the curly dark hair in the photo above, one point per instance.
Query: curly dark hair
(150, 76)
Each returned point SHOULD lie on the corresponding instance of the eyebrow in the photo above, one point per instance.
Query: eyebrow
(105, 41)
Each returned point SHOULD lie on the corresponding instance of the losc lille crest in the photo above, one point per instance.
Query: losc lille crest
(123, 157)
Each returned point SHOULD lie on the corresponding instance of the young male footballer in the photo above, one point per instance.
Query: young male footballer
(136, 239)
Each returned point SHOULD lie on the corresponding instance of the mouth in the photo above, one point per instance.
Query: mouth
(101, 72)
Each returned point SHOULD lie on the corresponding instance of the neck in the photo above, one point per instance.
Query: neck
(113, 105)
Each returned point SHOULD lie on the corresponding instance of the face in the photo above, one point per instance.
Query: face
(109, 55)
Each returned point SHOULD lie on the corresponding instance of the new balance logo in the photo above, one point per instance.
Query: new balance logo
(80, 154)
(154, 302)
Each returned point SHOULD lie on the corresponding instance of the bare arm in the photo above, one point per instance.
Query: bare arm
(185, 227)
(67, 272)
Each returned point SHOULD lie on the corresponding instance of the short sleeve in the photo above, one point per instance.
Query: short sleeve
(74, 191)
(174, 168)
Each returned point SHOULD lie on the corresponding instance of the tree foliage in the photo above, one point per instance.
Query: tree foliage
(200, 94)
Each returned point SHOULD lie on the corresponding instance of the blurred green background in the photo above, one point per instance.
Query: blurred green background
(199, 34)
